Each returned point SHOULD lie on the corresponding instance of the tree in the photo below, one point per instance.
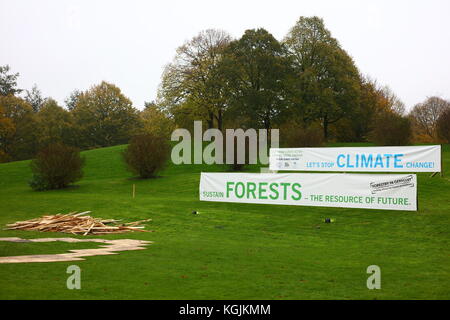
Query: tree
(7, 130)
(255, 70)
(8, 82)
(374, 100)
(34, 98)
(193, 80)
(18, 140)
(54, 124)
(72, 100)
(443, 125)
(427, 113)
(357, 125)
(391, 129)
(328, 81)
(392, 101)
(155, 121)
(103, 117)
(298, 135)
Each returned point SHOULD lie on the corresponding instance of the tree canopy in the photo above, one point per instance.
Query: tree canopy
(307, 85)
(103, 116)
(328, 82)
(8, 82)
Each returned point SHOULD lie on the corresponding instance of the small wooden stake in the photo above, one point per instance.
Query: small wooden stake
(134, 190)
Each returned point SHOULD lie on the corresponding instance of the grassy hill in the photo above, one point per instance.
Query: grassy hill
(228, 251)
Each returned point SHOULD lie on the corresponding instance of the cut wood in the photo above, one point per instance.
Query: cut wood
(77, 223)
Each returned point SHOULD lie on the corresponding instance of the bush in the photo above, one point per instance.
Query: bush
(4, 157)
(443, 126)
(391, 129)
(55, 167)
(295, 135)
(146, 155)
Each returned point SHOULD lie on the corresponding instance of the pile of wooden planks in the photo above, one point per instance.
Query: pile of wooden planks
(77, 223)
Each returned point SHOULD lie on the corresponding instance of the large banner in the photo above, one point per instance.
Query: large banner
(370, 191)
(363, 159)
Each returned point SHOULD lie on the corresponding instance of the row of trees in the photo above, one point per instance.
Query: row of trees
(307, 85)
(303, 84)
(99, 117)
(257, 81)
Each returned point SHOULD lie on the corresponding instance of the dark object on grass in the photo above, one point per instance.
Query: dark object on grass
(194, 212)
(327, 220)
(55, 167)
(146, 155)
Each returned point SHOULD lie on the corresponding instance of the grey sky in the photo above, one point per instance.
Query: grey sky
(66, 45)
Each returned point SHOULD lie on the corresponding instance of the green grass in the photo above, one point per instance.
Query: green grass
(228, 251)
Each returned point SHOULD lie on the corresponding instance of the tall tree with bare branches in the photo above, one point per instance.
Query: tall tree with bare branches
(427, 113)
(193, 79)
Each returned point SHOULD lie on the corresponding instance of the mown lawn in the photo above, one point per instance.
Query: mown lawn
(228, 251)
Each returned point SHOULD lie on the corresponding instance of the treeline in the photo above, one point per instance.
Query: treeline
(98, 117)
(307, 85)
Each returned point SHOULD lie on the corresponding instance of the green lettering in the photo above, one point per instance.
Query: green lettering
(236, 191)
(295, 188)
(229, 184)
(262, 189)
(285, 185)
(274, 190)
(251, 188)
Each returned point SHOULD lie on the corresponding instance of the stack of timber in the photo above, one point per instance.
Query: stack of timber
(77, 223)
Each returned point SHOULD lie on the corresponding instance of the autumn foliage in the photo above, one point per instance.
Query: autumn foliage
(392, 129)
(443, 126)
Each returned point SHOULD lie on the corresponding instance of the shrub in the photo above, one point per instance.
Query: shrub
(146, 155)
(391, 129)
(294, 135)
(443, 126)
(55, 167)
(4, 157)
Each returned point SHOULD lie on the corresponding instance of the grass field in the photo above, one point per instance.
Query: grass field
(228, 251)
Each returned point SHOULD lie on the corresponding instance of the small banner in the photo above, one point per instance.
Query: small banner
(369, 191)
(362, 159)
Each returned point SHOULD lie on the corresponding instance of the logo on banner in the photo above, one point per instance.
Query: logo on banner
(392, 184)
(288, 160)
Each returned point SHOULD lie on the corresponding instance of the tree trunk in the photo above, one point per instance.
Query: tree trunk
(211, 120)
(267, 123)
(325, 127)
(220, 121)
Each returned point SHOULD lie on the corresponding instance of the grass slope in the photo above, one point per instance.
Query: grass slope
(228, 251)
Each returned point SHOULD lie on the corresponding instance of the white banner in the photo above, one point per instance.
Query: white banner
(370, 191)
(362, 159)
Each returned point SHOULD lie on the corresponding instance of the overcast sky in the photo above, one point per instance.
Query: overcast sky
(67, 45)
